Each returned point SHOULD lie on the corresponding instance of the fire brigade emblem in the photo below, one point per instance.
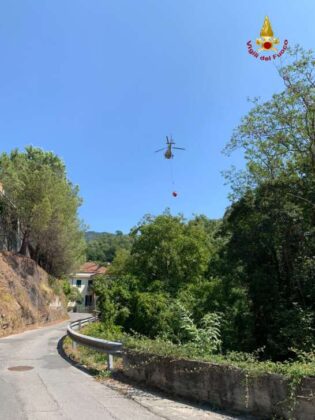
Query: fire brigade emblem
(267, 41)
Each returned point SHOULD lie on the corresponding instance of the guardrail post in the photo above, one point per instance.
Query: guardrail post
(110, 362)
(97, 344)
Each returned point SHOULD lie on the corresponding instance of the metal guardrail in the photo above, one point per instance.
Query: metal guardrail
(109, 347)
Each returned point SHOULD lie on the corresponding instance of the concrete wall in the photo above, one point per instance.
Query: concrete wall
(224, 386)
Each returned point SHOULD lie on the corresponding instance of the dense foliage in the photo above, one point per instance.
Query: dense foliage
(245, 283)
(272, 248)
(166, 268)
(8, 224)
(45, 203)
(272, 224)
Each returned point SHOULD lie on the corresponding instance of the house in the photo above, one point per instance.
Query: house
(83, 280)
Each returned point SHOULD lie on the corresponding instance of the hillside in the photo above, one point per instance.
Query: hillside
(25, 295)
(91, 235)
(102, 246)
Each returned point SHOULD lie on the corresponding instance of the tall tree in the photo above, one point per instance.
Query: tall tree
(46, 203)
(271, 225)
(278, 136)
(271, 252)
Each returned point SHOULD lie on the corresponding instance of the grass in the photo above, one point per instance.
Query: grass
(94, 361)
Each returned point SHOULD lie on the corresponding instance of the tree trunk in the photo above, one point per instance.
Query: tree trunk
(34, 253)
(25, 250)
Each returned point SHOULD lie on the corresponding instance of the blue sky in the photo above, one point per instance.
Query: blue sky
(101, 83)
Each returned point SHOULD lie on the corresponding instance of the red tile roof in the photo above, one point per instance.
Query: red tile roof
(92, 268)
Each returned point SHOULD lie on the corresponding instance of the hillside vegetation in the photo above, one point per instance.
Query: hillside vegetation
(102, 247)
(46, 204)
(26, 295)
(246, 283)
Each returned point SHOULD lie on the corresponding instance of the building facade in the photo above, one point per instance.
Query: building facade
(83, 281)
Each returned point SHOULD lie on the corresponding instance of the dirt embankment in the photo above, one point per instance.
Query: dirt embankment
(26, 298)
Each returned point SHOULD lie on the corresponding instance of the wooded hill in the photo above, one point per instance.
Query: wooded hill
(103, 246)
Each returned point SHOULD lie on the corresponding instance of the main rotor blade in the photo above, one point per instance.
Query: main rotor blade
(160, 150)
(179, 148)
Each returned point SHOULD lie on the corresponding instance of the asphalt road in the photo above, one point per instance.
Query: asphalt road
(54, 389)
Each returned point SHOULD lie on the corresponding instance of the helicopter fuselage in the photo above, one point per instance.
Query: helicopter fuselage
(168, 154)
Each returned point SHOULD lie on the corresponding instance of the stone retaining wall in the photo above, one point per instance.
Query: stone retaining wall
(223, 386)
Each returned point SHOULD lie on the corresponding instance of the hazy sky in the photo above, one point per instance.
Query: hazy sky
(101, 82)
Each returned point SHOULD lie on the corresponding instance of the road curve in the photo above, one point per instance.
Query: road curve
(54, 389)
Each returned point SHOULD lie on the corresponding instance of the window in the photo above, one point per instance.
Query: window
(88, 300)
(79, 282)
(90, 284)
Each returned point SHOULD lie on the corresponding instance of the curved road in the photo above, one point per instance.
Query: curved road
(54, 389)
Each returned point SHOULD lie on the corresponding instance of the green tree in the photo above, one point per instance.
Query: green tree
(121, 263)
(278, 136)
(46, 204)
(150, 313)
(114, 298)
(169, 252)
(272, 247)
(270, 227)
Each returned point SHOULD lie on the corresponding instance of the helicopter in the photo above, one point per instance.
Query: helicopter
(169, 147)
